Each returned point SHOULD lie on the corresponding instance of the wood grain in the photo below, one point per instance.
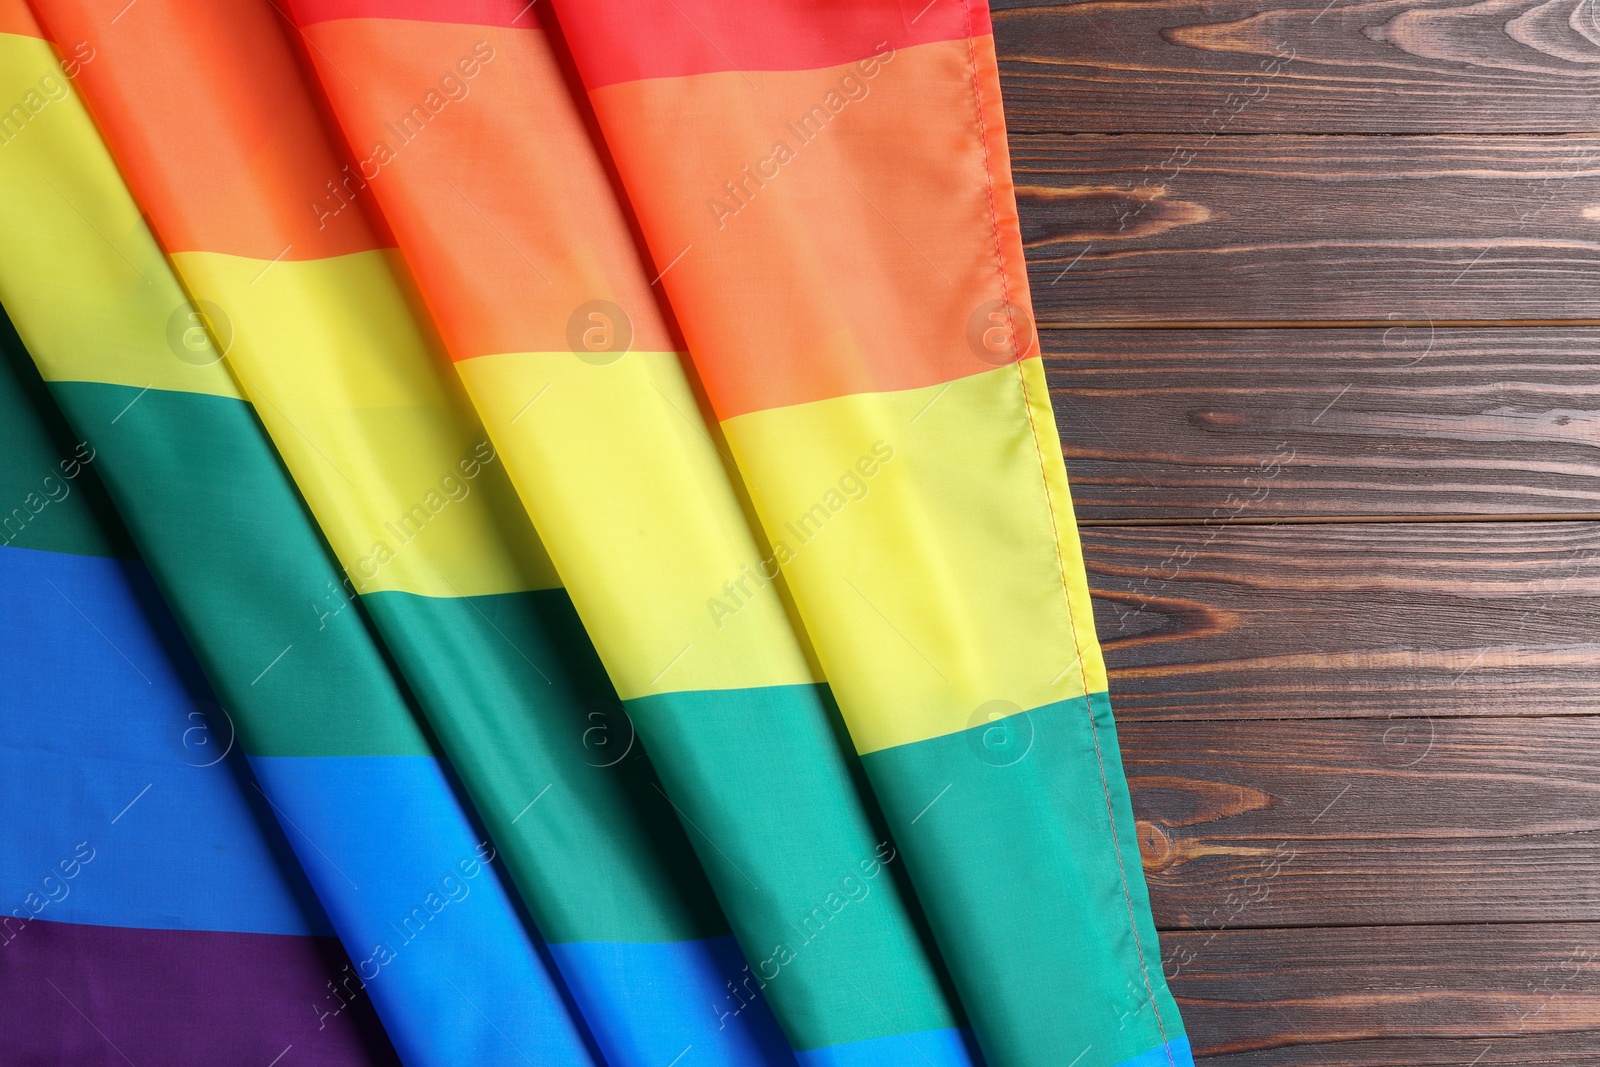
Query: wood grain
(1361, 822)
(1397, 66)
(1389, 996)
(1256, 424)
(1349, 621)
(1146, 229)
(1345, 722)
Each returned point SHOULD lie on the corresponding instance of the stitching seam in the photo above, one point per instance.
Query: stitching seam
(1094, 730)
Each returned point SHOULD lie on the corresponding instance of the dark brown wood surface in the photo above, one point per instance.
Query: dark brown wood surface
(1320, 295)
(1392, 821)
(1366, 620)
(1146, 228)
(1346, 66)
(1257, 425)
(1391, 996)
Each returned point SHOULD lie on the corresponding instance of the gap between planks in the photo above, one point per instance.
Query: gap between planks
(1345, 520)
(1312, 324)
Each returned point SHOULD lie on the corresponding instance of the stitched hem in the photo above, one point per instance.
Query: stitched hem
(1033, 428)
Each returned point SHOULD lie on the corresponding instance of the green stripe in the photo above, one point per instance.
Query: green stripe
(1008, 822)
(245, 571)
(50, 499)
(788, 832)
(519, 700)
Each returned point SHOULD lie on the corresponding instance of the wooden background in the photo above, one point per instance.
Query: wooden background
(1320, 297)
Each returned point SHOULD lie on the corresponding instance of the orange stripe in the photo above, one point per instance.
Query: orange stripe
(508, 216)
(205, 107)
(836, 228)
(16, 18)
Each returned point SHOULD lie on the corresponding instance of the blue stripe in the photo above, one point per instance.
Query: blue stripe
(419, 902)
(88, 641)
(1175, 1053)
(99, 692)
(666, 999)
(927, 1048)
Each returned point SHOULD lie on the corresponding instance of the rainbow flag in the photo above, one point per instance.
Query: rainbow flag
(148, 890)
(785, 739)
(409, 882)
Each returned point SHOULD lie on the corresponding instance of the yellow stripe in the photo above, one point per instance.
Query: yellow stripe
(68, 217)
(635, 504)
(372, 424)
(917, 534)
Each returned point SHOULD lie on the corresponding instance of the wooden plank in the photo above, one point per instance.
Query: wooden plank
(1236, 66)
(1442, 996)
(1255, 424)
(1150, 229)
(1359, 621)
(1364, 822)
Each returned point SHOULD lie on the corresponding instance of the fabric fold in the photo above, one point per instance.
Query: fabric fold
(505, 209)
(841, 248)
(413, 888)
(142, 874)
(304, 293)
(789, 725)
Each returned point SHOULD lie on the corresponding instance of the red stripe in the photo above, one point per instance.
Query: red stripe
(630, 40)
(518, 13)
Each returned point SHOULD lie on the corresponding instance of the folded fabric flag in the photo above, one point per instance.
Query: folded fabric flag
(826, 185)
(738, 300)
(374, 429)
(521, 250)
(153, 910)
(408, 881)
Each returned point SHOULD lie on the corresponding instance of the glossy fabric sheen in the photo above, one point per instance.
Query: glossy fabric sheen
(851, 286)
(262, 134)
(836, 915)
(669, 532)
(664, 1002)
(1002, 817)
(748, 197)
(98, 242)
(729, 303)
(375, 430)
(190, 854)
(674, 38)
(443, 935)
(565, 777)
(141, 870)
(228, 518)
(315, 667)
(479, 254)
(399, 474)
(922, 655)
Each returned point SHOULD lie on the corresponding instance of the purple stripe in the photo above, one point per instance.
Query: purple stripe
(109, 995)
